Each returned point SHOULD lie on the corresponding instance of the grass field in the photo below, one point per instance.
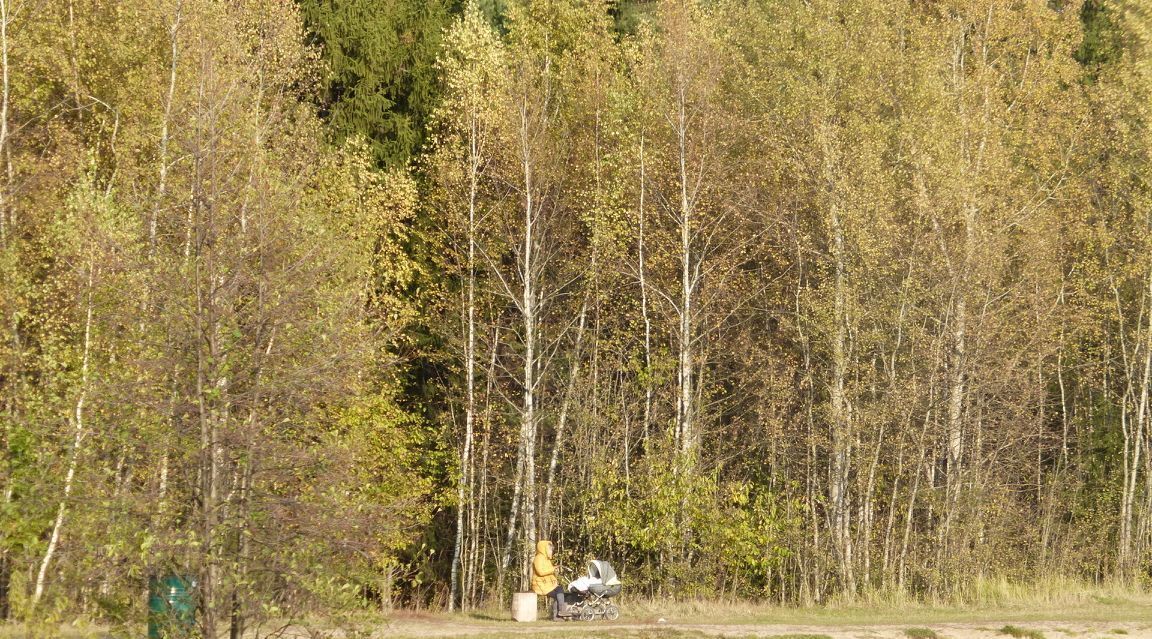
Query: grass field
(1082, 614)
(1114, 618)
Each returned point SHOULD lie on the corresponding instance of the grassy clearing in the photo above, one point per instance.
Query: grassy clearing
(987, 601)
(1103, 606)
(998, 603)
(64, 631)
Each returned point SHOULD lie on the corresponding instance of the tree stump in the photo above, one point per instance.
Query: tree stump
(524, 606)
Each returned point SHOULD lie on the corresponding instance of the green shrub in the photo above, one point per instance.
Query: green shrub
(1021, 633)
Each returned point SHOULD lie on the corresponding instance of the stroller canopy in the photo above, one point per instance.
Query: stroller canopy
(602, 570)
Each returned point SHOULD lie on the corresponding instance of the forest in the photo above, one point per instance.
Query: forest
(341, 305)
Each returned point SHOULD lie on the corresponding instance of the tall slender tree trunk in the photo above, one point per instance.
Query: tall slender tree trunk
(205, 331)
(511, 543)
(641, 251)
(5, 586)
(841, 420)
(972, 150)
(483, 498)
(954, 424)
(897, 484)
(6, 222)
(243, 508)
(529, 302)
(464, 488)
(867, 511)
(808, 591)
(685, 422)
(958, 374)
(528, 428)
(79, 433)
(565, 404)
(163, 161)
(6, 219)
(1134, 436)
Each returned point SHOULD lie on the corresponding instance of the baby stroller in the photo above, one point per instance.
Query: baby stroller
(591, 595)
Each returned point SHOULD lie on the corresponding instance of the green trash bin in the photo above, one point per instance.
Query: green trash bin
(172, 607)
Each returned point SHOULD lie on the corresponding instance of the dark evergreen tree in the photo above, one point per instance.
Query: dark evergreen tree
(380, 80)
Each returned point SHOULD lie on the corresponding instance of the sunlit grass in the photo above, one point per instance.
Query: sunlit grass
(994, 605)
(991, 600)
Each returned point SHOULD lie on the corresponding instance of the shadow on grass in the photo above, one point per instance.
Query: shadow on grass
(487, 616)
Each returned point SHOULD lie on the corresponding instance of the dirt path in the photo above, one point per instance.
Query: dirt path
(433, 628)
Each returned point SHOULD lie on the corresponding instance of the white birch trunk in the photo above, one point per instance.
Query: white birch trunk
(685, 426)
(162, 182)
(841, 423)
(1134, 444)
(648, 391)
(956, 402)
(77, 442)
(209, 467)
(529, 306)
(5, 215)
(574, 372)
(483, 500)
(464, 488)
(510, 545)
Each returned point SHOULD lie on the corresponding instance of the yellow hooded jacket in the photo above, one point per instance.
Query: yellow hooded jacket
(543, 572)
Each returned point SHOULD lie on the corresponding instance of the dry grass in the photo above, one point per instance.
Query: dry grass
(990, 600)
(993, 603)
(64, 631)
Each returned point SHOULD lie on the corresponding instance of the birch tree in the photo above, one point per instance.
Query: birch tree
(687, 151)
(471, 65)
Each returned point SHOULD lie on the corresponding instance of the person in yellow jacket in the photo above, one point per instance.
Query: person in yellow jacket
(544, 580)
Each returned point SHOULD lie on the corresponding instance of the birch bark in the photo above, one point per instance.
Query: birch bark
(6, 220)
(463, 490)
(78, 435)
(685, 423)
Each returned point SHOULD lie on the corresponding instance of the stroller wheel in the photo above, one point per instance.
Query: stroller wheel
(611, 612)
(587, 613)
